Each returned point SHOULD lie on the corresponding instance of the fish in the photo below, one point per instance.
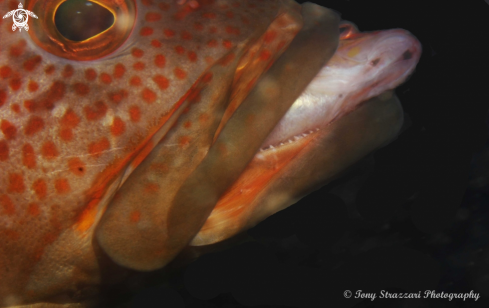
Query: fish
(180, 123)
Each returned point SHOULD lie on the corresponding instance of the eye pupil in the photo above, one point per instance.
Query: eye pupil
(79, 20)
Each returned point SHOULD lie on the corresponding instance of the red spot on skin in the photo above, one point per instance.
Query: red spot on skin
(97, 148)
(33, 86)
(32, 63)
(198, 26)
(5, 72)
(49, 150)
(180, 73)
(187, 124)
(34, 125)
(30, 105)
(184, 141)
(209, 15)
(147, 2)
(137, 53)
(95, 112)
(77, 166)
(207, 78)
(49, 69)
(186, 35)
(152, 16)
(28, 156)
(270, 36)
(203, 118)
(4, 150)
(192, 56)
(161, 81)
(135, 216)
(55, 93)
(8, 129)
(180, 50)
(70, 119)
(229, 14)
(233, 30)
(212, 43)
(90, 74)
(15, 83)
(146, 31)
(138, 66)
(156, 43)
(164, 6)
(3, 97)
(160, 61)
(17, 49)
(227, 44)
(169, 33)
(105, 78)
(265, 55)
(68, 71)
(62, 186)
(81, 89)
(135, 81)
(118, 127)
(117, 97)
(227, 59)
(40, 188)
(151, 188)
(149, 96)
(33, 209)
(16, 183)
(7, 205)
(135, 113)
(119, 71)
(15, 108)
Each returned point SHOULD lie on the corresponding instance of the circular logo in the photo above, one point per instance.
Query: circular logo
(20, 18)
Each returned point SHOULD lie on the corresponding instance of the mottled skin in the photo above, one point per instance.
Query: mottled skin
(115, 154)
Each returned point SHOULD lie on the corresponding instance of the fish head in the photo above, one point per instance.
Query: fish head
(120, 138)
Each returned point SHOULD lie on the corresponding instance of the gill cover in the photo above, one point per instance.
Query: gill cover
(167, 199)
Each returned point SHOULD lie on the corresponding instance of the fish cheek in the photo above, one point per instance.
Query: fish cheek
(184, 204)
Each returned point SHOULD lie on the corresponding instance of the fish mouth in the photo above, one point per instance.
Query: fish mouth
(394, 58)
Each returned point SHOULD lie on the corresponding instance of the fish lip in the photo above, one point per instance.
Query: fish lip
(399, 52)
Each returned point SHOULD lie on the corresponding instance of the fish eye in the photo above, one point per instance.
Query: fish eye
(81, 30)
(80, 20)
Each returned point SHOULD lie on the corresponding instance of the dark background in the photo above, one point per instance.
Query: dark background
(413, 216)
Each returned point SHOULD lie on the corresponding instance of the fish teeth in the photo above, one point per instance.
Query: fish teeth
(290, 140)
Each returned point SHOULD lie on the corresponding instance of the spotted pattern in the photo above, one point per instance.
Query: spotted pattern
(70, 130)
